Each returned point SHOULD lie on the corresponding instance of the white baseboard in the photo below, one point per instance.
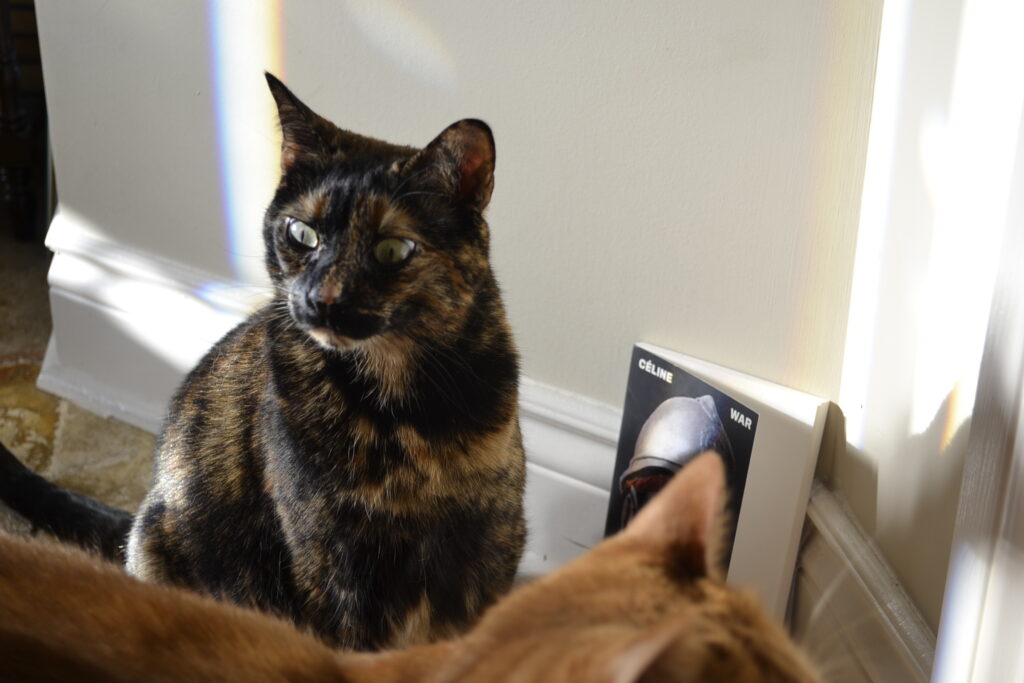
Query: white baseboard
(850, 610)
(128, 326)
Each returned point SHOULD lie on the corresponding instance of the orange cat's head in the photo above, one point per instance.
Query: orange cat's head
(648, 604)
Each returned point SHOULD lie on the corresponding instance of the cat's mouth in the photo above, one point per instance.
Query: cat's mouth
(329, 339)
(335, 328)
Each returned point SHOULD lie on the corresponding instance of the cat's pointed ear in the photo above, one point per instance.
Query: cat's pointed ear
(299, 124)
(688, 515)
(462, 159)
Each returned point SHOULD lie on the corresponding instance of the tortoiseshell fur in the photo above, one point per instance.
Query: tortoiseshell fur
(350, 456)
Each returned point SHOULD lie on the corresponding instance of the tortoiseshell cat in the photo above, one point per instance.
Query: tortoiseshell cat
(646, 605)
(349, 457)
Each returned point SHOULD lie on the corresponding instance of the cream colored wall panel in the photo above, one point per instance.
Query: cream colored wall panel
(681, 173)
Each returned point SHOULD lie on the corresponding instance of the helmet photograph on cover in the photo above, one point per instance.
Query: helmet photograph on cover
(669, 417)
(678, 430)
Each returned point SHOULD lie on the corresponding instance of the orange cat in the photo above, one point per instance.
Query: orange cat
(648, 604)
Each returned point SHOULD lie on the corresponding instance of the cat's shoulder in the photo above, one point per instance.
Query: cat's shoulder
(244, 342)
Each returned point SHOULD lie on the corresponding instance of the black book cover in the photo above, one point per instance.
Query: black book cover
(669, 417)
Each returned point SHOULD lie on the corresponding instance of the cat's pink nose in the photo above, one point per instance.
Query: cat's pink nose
(329, 293)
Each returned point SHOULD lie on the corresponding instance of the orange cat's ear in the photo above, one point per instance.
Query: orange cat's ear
(688, 515)
(628, 660)
(462, 157)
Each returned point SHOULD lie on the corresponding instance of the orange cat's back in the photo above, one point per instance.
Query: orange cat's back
(66, 616)
(649, 604)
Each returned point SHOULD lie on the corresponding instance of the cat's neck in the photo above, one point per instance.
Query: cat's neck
(454, 410)
(468, 377)
(389, 363)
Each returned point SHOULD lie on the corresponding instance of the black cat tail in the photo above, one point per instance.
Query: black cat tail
(67, 515)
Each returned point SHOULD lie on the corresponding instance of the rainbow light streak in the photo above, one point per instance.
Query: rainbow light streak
(405, 39)
(815, 243)
(245, 41)
(968, 160)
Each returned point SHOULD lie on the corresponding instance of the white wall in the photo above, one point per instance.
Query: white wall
(683, 173)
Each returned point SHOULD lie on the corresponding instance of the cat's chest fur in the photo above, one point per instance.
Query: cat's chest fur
(304, 492)
(406, 436)
(350, 456)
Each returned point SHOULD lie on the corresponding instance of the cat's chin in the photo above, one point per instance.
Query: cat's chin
(331, 340)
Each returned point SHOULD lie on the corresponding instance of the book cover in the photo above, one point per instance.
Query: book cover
(768, 436)
(669, 417)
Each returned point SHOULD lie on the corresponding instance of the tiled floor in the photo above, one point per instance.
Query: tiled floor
(100, 457)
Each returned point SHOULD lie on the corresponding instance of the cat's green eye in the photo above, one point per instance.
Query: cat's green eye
(302, 234)
(393, 251)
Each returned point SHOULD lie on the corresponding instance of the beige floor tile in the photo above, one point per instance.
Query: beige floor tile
(101, 457)
(24, 301)
(28, 416)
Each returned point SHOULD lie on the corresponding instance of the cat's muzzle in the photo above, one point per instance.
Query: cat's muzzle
(334, 325)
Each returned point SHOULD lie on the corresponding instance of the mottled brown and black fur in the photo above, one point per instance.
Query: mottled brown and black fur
(350, 457)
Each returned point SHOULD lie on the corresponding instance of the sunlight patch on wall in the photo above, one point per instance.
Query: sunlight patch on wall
(967, 159)
(405, 39)
(874, 218)
(170, 323)
(245, 41)
(174, 312)
(161, 315)
(966, 156)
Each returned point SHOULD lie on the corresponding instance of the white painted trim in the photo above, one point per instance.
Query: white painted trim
(83, 390)
(567, 410)
(127, 325)
(853, 586)
(72, 235)
(568, 433)
(983, 606)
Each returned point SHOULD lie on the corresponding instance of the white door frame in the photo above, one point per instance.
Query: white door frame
(983, 608)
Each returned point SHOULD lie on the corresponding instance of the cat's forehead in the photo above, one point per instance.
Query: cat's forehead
(338, 178)
(352, 200)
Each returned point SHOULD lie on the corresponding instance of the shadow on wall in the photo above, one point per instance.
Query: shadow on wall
(923, 496)
(844, 467)
(921, 492)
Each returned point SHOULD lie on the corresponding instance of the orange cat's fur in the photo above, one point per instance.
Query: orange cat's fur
(648, 604)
